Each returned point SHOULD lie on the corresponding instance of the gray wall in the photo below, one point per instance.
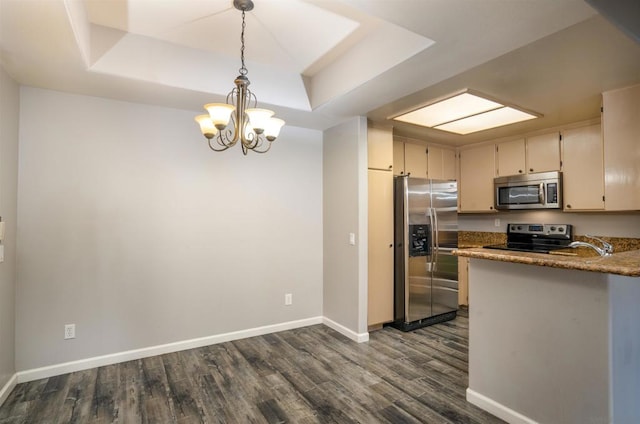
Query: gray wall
(344, 212)
(131, 228)
(9, 109)
(604, 224)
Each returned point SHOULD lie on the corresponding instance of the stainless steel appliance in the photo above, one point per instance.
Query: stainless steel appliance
(426, 232)
(542, 190)
(537, 238)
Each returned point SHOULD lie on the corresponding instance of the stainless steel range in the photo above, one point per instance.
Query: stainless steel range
(538, 238)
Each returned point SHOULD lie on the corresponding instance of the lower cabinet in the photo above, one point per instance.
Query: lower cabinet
(463, 280)
(380, 298)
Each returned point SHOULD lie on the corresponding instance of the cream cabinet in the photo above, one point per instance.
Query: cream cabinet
(380, 259)
(583, 168)
(621, 133)
(441, 163)
(543, 153)
(477, 171)
(380, 148)
(511, 157)
(398, 157)
(539, 153)
(415, 160)
(463, 280)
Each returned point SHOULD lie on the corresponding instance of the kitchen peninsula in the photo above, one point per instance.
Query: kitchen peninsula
(554, 338)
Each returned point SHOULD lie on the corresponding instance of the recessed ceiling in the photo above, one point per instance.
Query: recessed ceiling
(318, 62)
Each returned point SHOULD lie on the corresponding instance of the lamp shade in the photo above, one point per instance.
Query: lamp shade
(220, 114)
(206, 125)
(259, 118)
(272, 128)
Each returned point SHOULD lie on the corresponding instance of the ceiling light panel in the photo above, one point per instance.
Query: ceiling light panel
(456, 107)
(486, 120)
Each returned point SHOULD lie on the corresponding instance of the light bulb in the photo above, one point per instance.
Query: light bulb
(206, 126)
(258, 118)
(272, 128)
(220, 114)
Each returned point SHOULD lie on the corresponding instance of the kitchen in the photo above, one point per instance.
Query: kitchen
(328, 277)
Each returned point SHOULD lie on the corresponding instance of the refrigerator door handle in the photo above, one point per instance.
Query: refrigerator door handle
(434, 230)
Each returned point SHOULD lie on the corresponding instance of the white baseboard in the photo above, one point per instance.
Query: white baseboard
(497, 409)
(356, 337)
(99, 361)
(6, 389)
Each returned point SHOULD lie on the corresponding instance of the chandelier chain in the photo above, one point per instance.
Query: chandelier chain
(243, 69)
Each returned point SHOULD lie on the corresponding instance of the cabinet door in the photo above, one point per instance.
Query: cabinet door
(435, 165)
(398, 157)
(441, 163)
(621, 132)
(449, 164)
(415, 160)
(543, 153)
(380, 247)
(463, 280)
(380, 148)
(477, 171)
(583, 168)
(511, 158)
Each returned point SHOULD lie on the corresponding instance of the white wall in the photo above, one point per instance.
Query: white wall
(344, 212)
(594, 223)
(9, 109)
(131, 228)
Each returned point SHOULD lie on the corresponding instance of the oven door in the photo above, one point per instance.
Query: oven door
(521, 196)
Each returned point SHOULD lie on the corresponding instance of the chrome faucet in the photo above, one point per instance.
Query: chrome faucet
(605, 250)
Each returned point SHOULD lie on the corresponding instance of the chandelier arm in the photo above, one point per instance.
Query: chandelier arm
(225, 146)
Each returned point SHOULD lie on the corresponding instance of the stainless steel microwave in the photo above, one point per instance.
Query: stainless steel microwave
(542, 190)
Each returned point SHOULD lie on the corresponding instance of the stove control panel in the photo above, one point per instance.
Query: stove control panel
(562, 231)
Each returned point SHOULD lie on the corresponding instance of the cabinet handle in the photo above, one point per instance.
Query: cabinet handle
(391, 245)
(490, 207)
(401, 172)
(390, 166)
(530, 169)
(568, 206)
(520, 171)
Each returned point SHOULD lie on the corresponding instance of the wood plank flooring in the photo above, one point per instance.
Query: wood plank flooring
(307, 375)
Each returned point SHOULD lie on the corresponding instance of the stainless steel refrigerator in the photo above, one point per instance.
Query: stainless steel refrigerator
(426, 232)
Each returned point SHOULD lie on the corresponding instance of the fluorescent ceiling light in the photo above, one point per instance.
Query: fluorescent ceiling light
(464, 113)
(483, 121)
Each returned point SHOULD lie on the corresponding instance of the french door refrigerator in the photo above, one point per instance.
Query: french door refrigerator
(425, 232)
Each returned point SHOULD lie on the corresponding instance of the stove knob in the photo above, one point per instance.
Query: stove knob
(519, 227)
(553, 228)
(561, 229)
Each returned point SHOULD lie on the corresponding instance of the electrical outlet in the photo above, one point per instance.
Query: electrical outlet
(69, 331)
(288, 299)
(496, 222)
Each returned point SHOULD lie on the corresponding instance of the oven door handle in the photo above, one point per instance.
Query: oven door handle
(541, 194)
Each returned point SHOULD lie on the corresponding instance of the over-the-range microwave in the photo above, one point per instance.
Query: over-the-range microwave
(542, 190)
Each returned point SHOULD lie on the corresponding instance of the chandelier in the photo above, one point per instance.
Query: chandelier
(255, 128)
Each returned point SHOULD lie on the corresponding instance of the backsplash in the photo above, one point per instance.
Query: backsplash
(612, 224)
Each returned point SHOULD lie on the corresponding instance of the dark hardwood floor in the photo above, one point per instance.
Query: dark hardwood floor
(307, 375)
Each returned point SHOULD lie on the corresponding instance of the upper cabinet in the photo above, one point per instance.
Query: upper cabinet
(621, 132)
(398, 157)
(582, 168)
(511, 157)
(543, 153)
(415, 160)
(540, 153)
(477, 171)
(423, 160)
(441, 163)
(380, 148)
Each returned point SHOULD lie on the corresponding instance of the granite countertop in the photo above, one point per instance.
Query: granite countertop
(624, 263)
